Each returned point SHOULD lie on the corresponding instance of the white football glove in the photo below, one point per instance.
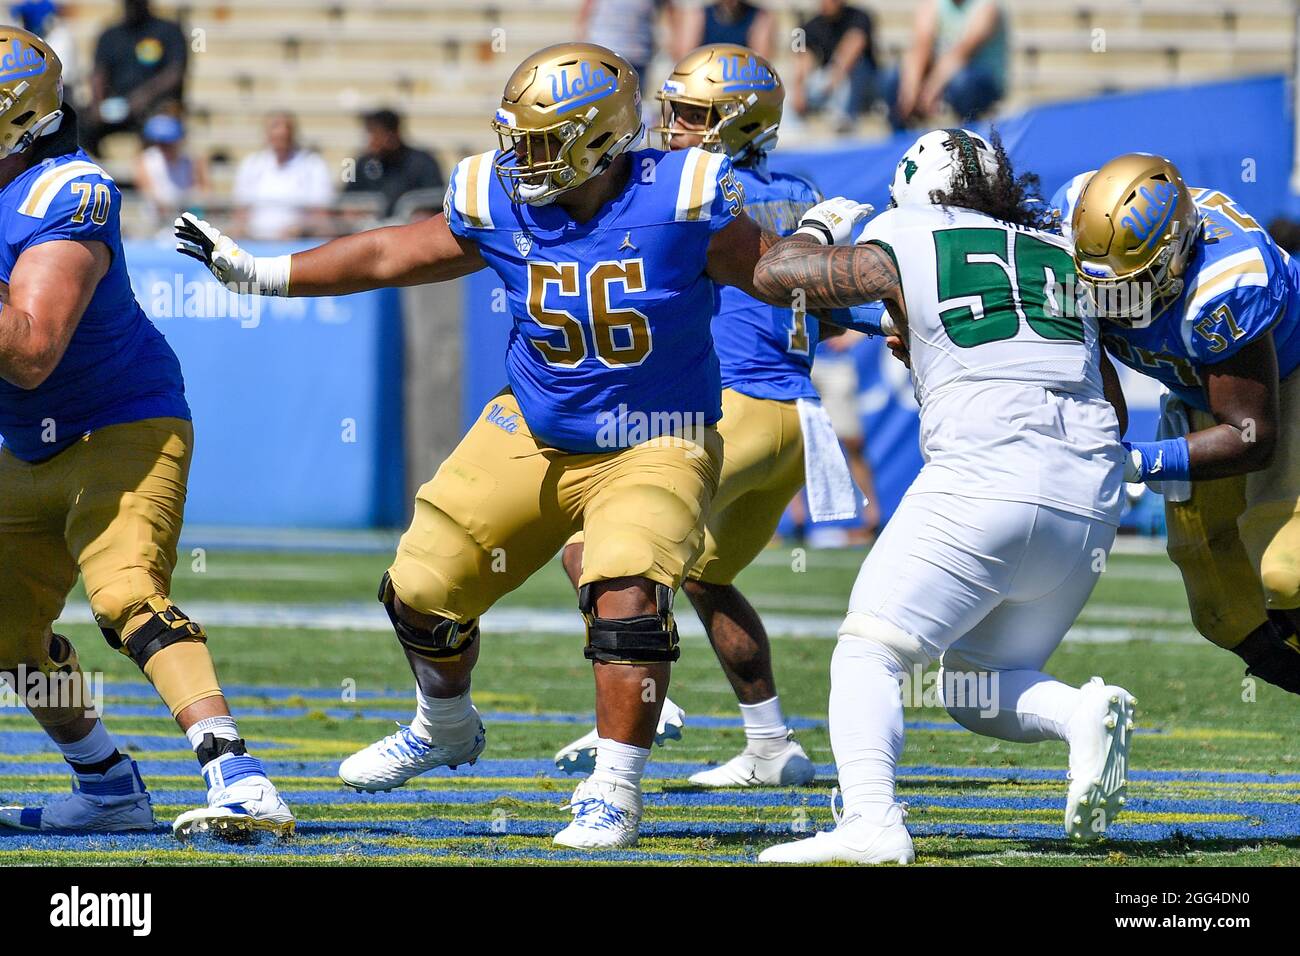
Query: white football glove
(233, 267)
(832, 221)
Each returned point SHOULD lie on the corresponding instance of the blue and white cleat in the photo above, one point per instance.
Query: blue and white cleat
(241, 803)
(606, 815)
(391, 762)
(115, 801)
(579, 757)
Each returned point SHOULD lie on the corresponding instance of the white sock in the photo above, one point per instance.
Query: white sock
(765, 727)
(223, 728)
(624, 761)
(96, 746)
(434, 713)
(866, 724)
(1028, 707)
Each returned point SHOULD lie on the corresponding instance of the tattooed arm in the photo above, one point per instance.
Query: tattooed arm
(829, 277)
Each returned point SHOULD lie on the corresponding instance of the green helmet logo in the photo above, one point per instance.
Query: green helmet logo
(909, 169)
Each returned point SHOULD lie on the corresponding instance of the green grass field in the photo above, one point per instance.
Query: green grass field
(314, 672)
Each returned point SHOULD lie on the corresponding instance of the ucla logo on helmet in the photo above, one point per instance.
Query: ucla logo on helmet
(743, 73)
(21, 60)
(1147, 221)
(590, 84)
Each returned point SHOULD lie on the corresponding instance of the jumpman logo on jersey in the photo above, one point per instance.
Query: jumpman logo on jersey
(1158, 465)
(627, 243)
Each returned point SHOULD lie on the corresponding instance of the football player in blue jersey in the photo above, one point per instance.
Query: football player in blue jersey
(726, 99)
(1196, 295)
(96, 452)
(610, 257)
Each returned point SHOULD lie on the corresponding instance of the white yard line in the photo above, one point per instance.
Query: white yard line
(556, 621)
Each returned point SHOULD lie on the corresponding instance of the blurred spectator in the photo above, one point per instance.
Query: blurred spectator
(837, 72)
(166, 176)
(628, 28)
(389, 166)
(42, 18)
(835, 373)
(958, 54)
(285, 190)
(1286, 233)
(139, 71)
(728, 21)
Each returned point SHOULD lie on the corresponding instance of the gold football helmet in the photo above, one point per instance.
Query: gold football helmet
(740, 91)
(31, 89)
(567, 112)
(1134, 228)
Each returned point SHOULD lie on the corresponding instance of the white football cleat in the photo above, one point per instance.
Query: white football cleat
(606, 815)
(790, 768)
(854, 840)
(1100, 729)
(115, 801)
(391, 762)
(241, 803)
(580, 755)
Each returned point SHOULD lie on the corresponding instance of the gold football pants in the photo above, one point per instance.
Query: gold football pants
(503, 504)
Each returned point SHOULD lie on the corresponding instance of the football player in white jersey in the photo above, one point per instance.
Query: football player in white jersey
(997, 544)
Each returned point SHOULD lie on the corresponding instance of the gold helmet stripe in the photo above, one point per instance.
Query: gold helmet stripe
(47, 185)
(1246, 268)
(472, 178)
(699, 184)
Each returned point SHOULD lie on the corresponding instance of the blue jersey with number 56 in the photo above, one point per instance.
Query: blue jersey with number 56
(1238, 287)
(767, 351)
(611, 316)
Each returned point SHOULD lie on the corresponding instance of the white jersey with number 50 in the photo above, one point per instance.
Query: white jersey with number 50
(1006, 372)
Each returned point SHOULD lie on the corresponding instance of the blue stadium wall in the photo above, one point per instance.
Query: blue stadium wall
(298, 407)
(296, 402)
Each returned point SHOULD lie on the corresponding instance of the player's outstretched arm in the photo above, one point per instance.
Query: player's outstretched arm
(734, 252)
(814, 266)
(413, 254)
(49, 289)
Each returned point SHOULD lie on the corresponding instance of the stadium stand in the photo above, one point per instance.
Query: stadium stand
(442, 62)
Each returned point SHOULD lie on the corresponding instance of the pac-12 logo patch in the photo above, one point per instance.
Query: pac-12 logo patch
(524, 243)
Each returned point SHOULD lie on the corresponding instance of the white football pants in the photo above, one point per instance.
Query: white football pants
(990, 587)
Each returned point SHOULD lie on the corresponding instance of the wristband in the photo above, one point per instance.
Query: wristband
(817, 231)
(865, 318)
(271, 275)
(1168, 460)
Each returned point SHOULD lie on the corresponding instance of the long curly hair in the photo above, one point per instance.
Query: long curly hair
(1005, 196)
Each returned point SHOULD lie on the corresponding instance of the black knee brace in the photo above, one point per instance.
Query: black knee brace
(445, 640)
(167, 624)
(646, 639)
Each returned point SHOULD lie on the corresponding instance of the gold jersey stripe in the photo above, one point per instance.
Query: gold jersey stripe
(47, 185)
(472, 173)
(1227, 279)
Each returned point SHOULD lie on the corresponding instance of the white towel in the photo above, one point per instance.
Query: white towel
(831, 494)
(1174, 423)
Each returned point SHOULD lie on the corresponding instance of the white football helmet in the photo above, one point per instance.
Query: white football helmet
(932, 162)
